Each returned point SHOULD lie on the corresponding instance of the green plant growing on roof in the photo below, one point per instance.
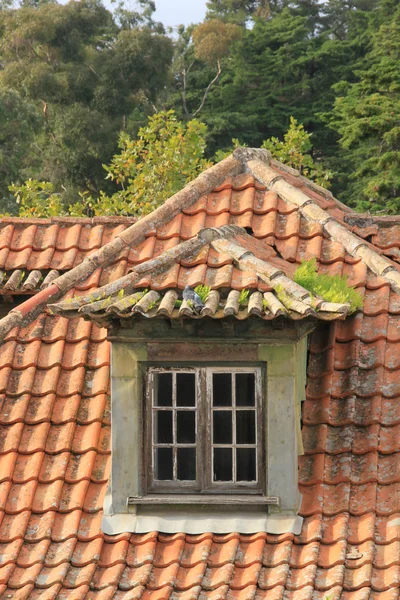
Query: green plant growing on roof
(152, 305)
(142, 293)
(332, 288)
(202, 291)
(283, 296)
(243, 297)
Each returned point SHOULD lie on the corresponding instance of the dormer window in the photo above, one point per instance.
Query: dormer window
(204, 429)
(206, 424)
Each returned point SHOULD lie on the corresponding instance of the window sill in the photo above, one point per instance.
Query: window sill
(211, 499)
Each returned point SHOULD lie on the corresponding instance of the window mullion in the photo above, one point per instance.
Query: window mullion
(174, 437)
(233, 427)
(205, 439)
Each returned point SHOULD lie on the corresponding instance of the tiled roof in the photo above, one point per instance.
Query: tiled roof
(276, 295)
(55, 435)
(152, 304)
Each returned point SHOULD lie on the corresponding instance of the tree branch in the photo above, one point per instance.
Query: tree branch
(46, 120)
(208, 88)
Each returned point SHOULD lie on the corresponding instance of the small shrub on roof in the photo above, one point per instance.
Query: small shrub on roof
(202, 291)
(332, 288)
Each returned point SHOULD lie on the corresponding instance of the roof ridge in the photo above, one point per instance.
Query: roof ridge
(228, 239)
(66, 219)
(256, 161)
(312, 185)
(366, 219)
(355, 245)
(204, 183)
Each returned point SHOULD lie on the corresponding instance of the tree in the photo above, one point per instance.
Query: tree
(295, 151)
(87, 78)
(19, 122)
(165, 155)
(203, 48)
(366, 116)
(238, 11)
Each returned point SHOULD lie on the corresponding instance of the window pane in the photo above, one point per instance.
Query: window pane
(245, 426)
(223, 464)
(245, 389)
(186, 427)
(186, 464)
(222, 427)
(163, 395)
(222, 389)
(246, 464)
(185, 389)
(163, 427)
(163, 464)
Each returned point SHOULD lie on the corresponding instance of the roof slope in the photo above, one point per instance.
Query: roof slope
(55, 432)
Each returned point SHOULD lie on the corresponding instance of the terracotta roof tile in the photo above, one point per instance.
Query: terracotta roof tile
(55, 432)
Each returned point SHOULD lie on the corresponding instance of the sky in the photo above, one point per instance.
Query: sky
(177, 12)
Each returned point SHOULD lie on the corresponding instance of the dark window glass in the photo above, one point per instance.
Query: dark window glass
(163, 464)
(222, 389)
(163, 389)
(245, 389)
(185, 427)
(164, 427)
(185, 389)
(222, 427)
(245, 426)
(186, 464)
(223, 464)
(246, 464)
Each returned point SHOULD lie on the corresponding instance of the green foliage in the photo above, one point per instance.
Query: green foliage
(332, 288)
(238, 11)
(212, 40)
(295, 150)
(202, 291)
(221, 154)
(18, 121)
(37, 199)
(283, 296)
(366, 116)
(160, 161)
(243, 297)
(77, 78)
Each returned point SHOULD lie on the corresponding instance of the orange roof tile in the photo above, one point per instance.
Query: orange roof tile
(55, 425)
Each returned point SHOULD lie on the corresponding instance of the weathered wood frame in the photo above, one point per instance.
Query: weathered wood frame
(203, 483)
(282, 352)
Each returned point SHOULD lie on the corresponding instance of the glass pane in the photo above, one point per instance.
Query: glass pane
(222, 427)
(163, 464)
(223, 464)
(185, 389)
(245, 426)
(163, 427)
(186, 427)
(245, 389)
(163, 394)
(186, 464)
(222, 389)
(246, 464)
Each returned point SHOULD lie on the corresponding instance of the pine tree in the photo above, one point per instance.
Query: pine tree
(366, 116)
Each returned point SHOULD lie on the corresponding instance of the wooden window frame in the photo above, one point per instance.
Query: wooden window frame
(203, 484)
